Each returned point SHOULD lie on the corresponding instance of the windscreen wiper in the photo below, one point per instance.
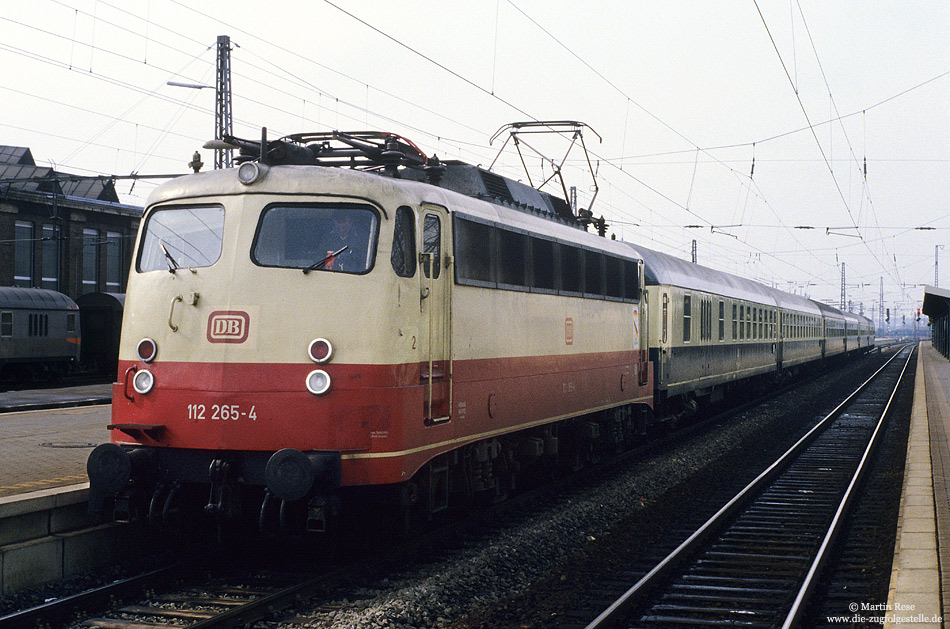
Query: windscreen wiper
(317, 265)
(172, 265)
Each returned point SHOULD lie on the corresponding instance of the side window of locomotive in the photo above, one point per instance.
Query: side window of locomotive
(335, 237)
(472, 251)
(432, 244)
(6, 324)
(542, 262)
(572, 266)
(404, 243)
(512, 258)
(593, 273)
(613, 277)
(181, 237)
(631, 280)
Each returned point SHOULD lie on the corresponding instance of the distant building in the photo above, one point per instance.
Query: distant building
(64, 232)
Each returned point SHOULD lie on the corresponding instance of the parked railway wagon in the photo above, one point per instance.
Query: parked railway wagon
(101, 326)
(342, 325)
(39, 332)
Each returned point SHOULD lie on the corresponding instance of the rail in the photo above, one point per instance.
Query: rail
(821, 456)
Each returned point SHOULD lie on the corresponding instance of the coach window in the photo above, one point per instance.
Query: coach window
(512, 258)
(735, 323)
(748, 322)
(6, 323)
(542, 261)
(666, 317)
(741, 322)
(722, 320)
(404, 243)
(687, 318)
(191, 236)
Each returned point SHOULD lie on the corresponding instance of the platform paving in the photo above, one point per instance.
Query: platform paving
(47, 435)
(920, 576)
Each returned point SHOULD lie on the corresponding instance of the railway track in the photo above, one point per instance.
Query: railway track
(183, 594)
(756, 562)
(194, 599)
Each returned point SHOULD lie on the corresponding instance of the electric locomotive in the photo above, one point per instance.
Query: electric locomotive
(343, 326)
(342, 321)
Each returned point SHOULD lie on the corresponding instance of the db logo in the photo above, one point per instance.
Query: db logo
(228, 326)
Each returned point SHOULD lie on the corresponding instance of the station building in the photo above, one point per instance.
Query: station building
(937, 306)
(63, 232)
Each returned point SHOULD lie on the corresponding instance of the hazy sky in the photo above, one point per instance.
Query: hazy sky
(684, 94)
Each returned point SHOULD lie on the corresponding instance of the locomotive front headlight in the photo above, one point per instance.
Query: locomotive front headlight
(143, 381)
(318, 382)
(320, 350)
(146, 350)
(251, 172)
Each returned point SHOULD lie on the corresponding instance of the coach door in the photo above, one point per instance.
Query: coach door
(435, 336)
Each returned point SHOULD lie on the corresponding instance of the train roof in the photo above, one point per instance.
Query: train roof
(113, 301)
(662, 268)
(830, 311)
(358, 184)
(34, 299)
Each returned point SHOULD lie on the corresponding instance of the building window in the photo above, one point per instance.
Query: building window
(113, 253)
(23, 254)
(90, 261)
(50, 253)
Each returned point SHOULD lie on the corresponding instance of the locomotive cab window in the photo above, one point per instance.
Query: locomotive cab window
(181, 237)
(339, 238)
(431, 245)
(403, 256)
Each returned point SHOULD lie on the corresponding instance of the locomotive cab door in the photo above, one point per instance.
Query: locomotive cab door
(435, 261)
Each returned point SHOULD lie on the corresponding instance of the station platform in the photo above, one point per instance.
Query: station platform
(46, 436)
(37, 399)
(920, 575)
